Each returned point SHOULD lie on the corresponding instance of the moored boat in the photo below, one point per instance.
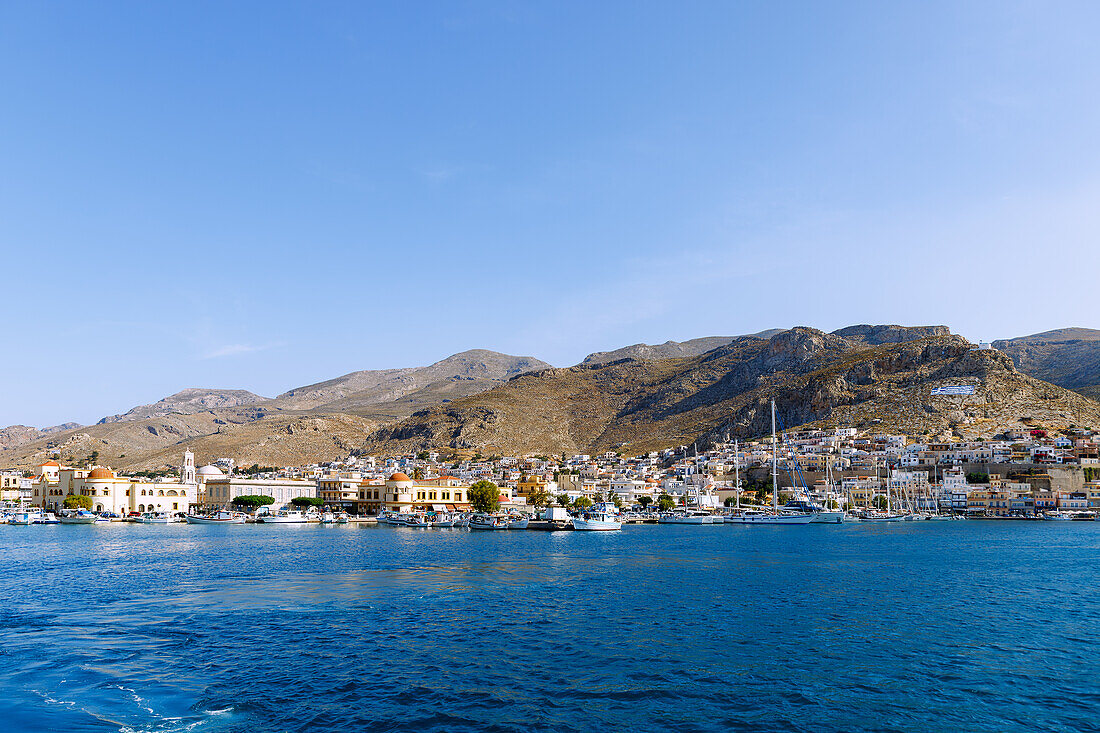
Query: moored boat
(487, 522)
(602, 517)
(283, 516)
(219, 517)
(80, 516)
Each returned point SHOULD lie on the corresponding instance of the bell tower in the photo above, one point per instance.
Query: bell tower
(187, 473)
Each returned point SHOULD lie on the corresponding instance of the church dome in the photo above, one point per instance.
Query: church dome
(399, 477)
(210, 472)
(98, 474)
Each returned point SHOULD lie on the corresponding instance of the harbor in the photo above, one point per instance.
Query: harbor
(579, 625)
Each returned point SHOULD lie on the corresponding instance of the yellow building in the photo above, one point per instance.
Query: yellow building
(529, 484)
(445, 493)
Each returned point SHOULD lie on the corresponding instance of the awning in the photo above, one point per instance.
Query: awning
(450, 507)
(439, 507)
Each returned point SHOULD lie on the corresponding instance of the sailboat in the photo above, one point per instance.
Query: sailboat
(888, 516)
(774, 517)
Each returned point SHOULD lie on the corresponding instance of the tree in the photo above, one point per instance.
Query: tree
(645, 501)
(422, 455)
(598, 496)
(582, 502)
(562, 499)
(665, 502)
(729, 501)
(78, 501)
(484, 496)
(418, 473)
(303, 501)
(539, 498)
(879, 502)
(93, 456)
(254, 500)
(973, 477)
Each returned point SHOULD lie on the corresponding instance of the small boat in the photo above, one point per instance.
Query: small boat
(445, 521)
(283, 516)
(417, 520)
(487, 522)
(342, 518)
(328, 518)
(22, 519)
(153, 518)
(45, 518)
(683, 517)
(222, 516)
(1057, 516)
(516, 522)
(602, 517)
(80, 516)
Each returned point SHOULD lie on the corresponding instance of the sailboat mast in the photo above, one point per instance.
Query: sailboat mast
(775, 465)
(737, 473)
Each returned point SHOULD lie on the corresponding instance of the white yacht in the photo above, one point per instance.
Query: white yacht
(22, 518)
(283, 516)
(80, 516)
(153, 518)
(602, 517)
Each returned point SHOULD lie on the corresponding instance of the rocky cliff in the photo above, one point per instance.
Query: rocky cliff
(815, 377)
(1068, 357)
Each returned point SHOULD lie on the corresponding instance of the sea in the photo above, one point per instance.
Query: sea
(916, 626)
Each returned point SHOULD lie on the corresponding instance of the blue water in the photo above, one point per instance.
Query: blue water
(978, 626)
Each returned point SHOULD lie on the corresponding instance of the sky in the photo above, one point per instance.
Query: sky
(265, 195)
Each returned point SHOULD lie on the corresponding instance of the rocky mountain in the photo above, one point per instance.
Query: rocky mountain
(186, 402)
(17, 435)
(399, 392)
(1068, 357)
(670, 349)
(816, 378)
(867, 335)
(316, 422)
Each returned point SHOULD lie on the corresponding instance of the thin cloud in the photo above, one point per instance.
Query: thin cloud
(236, 350)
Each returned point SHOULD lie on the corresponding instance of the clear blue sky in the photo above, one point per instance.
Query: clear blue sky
(263, 195)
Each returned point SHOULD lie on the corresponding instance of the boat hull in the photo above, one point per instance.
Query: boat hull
(828, 518)
(783, 519)
(596, 525)
(210, 520)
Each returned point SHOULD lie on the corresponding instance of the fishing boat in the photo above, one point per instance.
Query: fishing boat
(80, 516)
(775, 516)
(45, 518)
(417, 520)
(1057, 516)
(518, 522)
(222, 516)
(153, 518)
(328, 517)
(487, 522)
(602, 517)
(22, 519)
(342, 518)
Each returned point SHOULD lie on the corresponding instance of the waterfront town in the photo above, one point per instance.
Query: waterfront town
(1024, 474)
